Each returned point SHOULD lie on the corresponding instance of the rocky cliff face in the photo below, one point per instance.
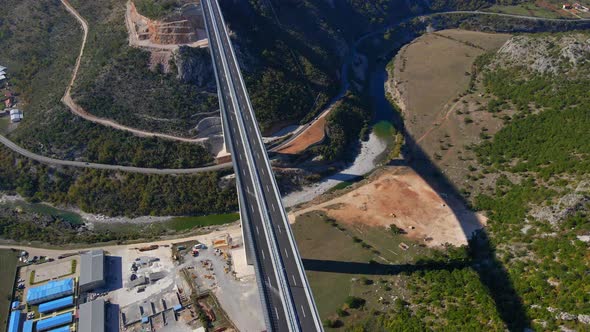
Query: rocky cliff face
(548, 54)
(194, 66)
(183, 27)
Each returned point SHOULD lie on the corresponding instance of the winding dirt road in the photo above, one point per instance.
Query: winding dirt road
(78, 110)
(67, 100)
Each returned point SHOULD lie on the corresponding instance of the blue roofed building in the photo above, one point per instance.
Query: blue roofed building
(50, 291)
(28, 326)
(55, 321)
(14, 321)
(61, 329)
(55, 305)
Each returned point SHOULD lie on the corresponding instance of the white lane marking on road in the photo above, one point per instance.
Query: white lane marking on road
(294, 281)
(303, 310)
(263, 257)
(277, 312)
(244, 171)
(267, 188)
(279, 228)
(286, 253)
(258, 232)
(273, 207)
(240, 156)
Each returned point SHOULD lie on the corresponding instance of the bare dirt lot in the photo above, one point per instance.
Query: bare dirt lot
(447, 119)
(313, 134)
(399, 196)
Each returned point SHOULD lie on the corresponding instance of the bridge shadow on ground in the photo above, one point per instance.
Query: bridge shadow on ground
(375, 268)
(481, 253)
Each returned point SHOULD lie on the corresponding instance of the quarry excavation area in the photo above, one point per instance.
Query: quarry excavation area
(78, 110)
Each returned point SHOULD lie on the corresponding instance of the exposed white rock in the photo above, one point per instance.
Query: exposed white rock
(584, 319)
(547, 54)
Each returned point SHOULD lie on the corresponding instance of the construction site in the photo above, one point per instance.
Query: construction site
(186, 286)
(202, 283)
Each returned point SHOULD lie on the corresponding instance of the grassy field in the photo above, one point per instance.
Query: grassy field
(342, 262)
(180, 224)
(449, 117)
(4, 124)
(8, 261)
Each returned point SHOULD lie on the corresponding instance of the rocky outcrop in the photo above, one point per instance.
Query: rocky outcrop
(185, 26)
(194, 66)
(567, 205)
(546, 54)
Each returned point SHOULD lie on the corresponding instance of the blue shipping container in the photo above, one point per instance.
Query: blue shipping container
(54, 305)
(14, 322)
(50, 291)
(61, 329)
(28, 326)
(59, 320)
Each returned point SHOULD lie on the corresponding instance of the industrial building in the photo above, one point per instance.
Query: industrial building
(92, 316)
(55, 305)
(92, 274)
(165, 305)
(50, 291)
(14, 321)
(28, 326)
(55, 321)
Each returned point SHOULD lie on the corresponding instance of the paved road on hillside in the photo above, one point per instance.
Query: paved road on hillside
(285, 292)
(144, 170)
(535, 18)
(84, 25)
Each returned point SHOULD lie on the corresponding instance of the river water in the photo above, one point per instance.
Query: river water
(371, 152)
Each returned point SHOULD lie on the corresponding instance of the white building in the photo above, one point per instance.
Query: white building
(15, 115)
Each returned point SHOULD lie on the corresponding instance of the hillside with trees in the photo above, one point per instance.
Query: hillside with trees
(41, 49)
(529, 267)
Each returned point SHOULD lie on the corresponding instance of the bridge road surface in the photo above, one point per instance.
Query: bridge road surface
(285, 292)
